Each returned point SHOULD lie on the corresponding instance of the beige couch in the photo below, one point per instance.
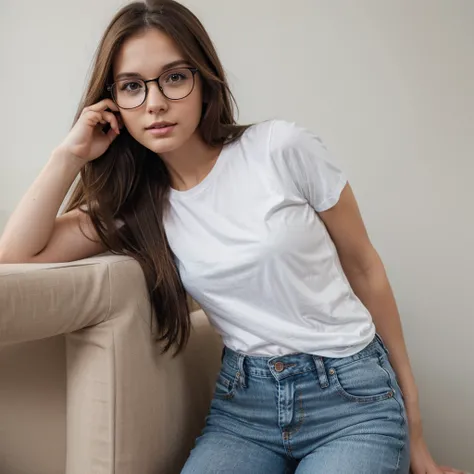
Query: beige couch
(83, 386)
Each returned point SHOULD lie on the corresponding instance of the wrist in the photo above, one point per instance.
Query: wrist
(61, 157)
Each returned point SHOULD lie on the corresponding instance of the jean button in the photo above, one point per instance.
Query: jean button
(279, 366)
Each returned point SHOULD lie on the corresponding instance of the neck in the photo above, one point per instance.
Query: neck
(191, 163)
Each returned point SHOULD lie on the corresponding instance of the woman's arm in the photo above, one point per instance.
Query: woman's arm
(366, 274)
(34, 234)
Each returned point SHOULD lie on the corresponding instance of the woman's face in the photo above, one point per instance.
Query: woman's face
(147, 56)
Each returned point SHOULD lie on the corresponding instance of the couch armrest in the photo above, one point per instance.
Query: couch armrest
(40, 300)
(130, 408)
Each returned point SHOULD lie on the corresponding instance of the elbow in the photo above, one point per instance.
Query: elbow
(7, 258)
(362, 264)
(11, 257)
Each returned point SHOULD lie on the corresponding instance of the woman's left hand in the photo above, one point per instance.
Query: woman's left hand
(421, 461)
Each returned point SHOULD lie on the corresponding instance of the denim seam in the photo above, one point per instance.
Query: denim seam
(230, 385)
(267, 375)
(398, 457)
(287, 434)
(402, 422)
(287, 445)
(301, 418)
(278, 385)
(296, 373)
(392, 385)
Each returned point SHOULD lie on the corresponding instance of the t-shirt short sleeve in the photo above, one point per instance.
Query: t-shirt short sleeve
(308, 164)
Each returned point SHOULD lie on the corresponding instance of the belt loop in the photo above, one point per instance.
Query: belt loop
(321, 371)
(241, 372)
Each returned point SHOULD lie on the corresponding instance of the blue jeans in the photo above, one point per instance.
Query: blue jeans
(304, 414)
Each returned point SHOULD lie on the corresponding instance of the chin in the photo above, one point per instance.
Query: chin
(164, 146)
(161, 145)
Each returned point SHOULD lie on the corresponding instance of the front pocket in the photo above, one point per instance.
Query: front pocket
(363, 381)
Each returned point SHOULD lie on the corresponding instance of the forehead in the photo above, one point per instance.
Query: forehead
(146, 53)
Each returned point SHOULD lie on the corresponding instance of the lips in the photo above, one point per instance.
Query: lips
(158, 125)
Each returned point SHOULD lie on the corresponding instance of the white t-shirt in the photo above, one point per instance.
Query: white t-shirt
(252, 251)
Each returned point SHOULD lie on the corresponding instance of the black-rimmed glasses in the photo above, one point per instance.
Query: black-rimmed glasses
(174, 84)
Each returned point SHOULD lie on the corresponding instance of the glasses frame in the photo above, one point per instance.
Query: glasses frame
(193, 70)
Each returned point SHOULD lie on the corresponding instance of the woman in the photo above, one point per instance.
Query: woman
(260, 227)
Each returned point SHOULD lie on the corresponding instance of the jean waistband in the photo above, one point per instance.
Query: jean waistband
(288, 365)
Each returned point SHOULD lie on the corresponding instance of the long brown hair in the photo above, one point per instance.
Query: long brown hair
(129, 182)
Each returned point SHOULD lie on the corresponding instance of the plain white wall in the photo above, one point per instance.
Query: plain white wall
(389, 87)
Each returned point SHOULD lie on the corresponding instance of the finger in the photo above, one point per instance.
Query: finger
(112, 135)
(104, 105)
(112, 119)
(93, 118)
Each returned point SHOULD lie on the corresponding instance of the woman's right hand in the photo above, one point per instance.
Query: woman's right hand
(86, 141)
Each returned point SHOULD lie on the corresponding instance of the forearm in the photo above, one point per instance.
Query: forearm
(30, 226)
(373, 289)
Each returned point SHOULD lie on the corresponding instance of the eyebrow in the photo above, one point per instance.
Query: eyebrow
(178, 62)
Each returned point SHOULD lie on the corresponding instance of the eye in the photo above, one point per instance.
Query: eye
(175, 77)
(131, 86)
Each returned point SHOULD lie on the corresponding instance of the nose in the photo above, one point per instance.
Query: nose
(155, 101)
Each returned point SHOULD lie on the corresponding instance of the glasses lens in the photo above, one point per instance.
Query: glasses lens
(129, 93)
(177, 83)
